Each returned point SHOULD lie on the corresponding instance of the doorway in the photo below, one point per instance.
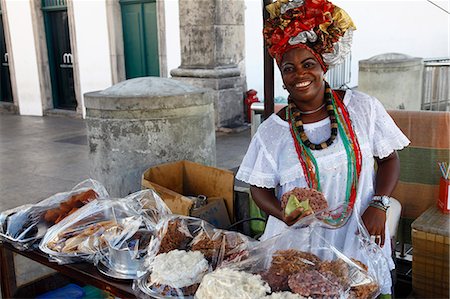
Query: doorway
(140, 37)
(59, 54)
(5, 81)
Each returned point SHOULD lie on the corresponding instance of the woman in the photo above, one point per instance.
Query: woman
(326, 140)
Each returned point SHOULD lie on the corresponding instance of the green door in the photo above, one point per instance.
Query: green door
(5, 82)
(140, 36)
(59, 54)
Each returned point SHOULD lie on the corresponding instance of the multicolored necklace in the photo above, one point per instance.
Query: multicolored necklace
(340, 122)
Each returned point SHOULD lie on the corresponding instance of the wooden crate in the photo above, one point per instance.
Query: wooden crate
(430, 267)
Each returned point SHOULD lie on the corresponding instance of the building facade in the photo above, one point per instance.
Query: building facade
(54, 51)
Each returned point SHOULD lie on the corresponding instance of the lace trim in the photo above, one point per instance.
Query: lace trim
(386, 147)
(256, 178)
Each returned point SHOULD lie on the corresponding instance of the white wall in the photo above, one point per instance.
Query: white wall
(413, 27)
(23, 54)
(92, 51)
(172, 34)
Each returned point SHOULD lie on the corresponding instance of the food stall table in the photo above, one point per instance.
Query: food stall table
(83, 273)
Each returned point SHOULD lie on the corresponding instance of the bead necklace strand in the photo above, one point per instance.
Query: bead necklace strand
(340, 122)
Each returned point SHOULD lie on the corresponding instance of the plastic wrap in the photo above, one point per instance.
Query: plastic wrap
(124, 224)
(126, 249)
(24, 225)
(309, 205)
(187, 248)
(309, 271)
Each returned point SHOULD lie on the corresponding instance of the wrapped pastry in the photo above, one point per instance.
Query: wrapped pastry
(316, 284)
(25, 225)
(284, 264)
(87, 234)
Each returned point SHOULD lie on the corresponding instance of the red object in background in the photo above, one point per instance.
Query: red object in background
(249, 100)
(444, 195)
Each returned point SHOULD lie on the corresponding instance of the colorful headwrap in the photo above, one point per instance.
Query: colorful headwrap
(317, 25)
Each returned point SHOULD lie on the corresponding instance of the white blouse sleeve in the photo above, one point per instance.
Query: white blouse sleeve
(386, 136)
(258, 168)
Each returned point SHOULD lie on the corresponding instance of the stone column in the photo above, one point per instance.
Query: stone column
(143, 122)
(212, 54)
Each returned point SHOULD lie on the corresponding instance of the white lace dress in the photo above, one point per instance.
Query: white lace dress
(272, 162)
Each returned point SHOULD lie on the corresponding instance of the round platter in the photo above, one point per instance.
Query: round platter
(143, 285)
(105, 270)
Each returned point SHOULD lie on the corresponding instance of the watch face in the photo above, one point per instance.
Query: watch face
(385, 201)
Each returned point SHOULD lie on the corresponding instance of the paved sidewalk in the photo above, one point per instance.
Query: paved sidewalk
(40, 156)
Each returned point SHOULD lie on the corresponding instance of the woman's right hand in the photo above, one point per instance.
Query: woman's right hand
(266, 200)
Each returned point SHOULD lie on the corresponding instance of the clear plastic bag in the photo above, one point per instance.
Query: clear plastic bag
(23, 226)
(126, 249)
(286, 263)
(309, 205)
(187, 248)
(123, 224)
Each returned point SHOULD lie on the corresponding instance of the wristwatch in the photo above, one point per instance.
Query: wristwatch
(384, 200)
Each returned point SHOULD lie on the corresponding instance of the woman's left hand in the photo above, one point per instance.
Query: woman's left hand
(375, 221)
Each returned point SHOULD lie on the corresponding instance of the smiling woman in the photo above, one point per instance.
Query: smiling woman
(327, 140)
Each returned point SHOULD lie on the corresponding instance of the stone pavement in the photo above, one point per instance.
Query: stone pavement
(41, 156)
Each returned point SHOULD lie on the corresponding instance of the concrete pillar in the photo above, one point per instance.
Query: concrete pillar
(212, 54)
(395, 79)
(143, 122)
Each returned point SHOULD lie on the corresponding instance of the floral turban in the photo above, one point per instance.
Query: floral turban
(316, 25)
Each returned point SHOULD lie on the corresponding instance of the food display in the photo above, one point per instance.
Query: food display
(306, 274)
(91, 230)
(24, 225)
(228, 283)
(303, 201)
(173, 256)
(177, 272)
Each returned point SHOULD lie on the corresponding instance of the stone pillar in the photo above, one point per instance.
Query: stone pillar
(212, 40)
(143, 122)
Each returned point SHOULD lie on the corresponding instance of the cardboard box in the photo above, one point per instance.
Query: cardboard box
(175, 181)
(214, 212)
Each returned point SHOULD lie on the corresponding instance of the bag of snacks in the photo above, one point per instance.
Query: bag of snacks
(24, 225)
(101, 224)
(125, 250)
(289, 267)
(184, 250)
